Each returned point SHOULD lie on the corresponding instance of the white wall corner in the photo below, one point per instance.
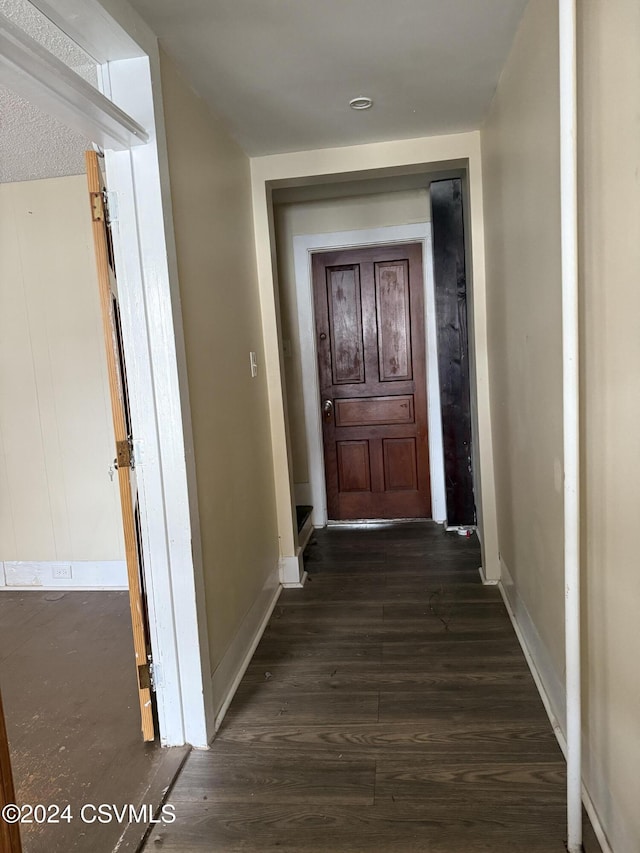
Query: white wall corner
(485, 580)
(292, 573)
(229, 672)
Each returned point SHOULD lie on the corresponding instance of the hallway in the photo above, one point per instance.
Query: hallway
(387, 708)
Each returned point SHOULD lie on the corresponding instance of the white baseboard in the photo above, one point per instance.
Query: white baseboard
(292, 570)
(84, 575)
(228, 674)
(551, 690)
(535, 651)
(485, 580)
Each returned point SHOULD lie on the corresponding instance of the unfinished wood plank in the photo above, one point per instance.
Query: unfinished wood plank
(117, 390)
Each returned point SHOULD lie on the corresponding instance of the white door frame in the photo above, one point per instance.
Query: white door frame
(152, 336)
(303, 247)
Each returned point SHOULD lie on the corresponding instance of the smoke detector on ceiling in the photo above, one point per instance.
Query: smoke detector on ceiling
(361, 103)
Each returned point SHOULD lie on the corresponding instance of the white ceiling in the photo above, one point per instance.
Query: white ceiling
(33, 144)
(281, 72)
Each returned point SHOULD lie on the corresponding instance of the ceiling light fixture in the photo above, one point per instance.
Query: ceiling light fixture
(361, 103)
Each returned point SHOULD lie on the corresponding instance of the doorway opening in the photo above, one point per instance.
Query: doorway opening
(394, 212)
(77, 714)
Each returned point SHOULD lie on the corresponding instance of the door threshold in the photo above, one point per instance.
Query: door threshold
(376, 522)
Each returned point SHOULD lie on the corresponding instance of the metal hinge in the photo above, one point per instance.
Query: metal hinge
(124, 454)
(104, 204)
(97, 207)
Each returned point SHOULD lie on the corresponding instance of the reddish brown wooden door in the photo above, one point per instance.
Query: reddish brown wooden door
(371, 360)
(9, 832)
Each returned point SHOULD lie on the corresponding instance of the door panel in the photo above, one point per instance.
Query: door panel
(354, 466)
(371, 362)
(345, 322)
(400, 464)
(372, 411)
(394, 326)
(120, 410)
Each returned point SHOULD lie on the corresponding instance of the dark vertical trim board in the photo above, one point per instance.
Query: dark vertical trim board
(453, 347)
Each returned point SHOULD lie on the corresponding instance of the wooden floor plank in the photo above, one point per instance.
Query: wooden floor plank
(398, 827)
(295, 708)
(387, 709)
(242, 778)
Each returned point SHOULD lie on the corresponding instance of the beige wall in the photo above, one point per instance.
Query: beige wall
(521, 169)
(57, 501)
(609, 149)
(321, 217)
(211, 194)
(520, 146)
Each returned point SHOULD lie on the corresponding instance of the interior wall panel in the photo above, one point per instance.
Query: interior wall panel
(57, 500)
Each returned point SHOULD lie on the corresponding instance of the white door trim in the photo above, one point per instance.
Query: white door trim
(303, 247)
(153, 347)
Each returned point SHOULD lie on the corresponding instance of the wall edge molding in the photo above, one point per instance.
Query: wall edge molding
(227, 676)
(530, 640)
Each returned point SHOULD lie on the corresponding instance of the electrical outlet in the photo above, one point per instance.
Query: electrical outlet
(62, 572)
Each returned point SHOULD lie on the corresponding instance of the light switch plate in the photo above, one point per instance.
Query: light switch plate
(254, 364)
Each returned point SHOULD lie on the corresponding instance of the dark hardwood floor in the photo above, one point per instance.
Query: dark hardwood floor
(387, 708)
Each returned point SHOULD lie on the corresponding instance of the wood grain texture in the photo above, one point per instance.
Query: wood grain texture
(264, 778)
(449, 270)
(394, 321)
(9, 833)
(372, 372)
(387, 708)
(345, 323)
(122, 434)
(373, 411)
